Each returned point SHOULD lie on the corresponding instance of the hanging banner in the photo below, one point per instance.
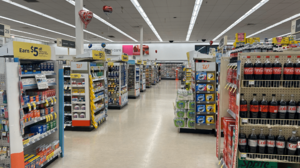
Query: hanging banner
(65, 43)
(4, 30)
(31, 51)
(125, 58)
(98, 55)
(139, 61)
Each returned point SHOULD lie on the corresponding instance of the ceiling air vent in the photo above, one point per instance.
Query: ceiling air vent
(250, 24)
(111, 36)
(31, 0)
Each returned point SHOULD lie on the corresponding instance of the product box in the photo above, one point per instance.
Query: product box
(210, 87)
(200, 97)
(210, 76)
(209, 97)
(201, 87)
(180, 113)
(51, 80)
(190, 114)
(201, 108)
(211, 108)
(200, 76)
(74, 90)
(191, 105)
(191, 123)
(210, 119)
(180, 104)
(179, 122)
(200, 119)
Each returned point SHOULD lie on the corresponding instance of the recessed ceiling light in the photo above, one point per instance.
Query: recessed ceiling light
(145, 17)
(105, 22)
(276, 24)
(49, 17)
(257, 6)
(197, 7)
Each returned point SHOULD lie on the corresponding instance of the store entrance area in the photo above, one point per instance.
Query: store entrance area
(141, 135)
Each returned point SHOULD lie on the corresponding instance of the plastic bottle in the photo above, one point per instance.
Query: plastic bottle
(262, 142)
(291, 109)
(288, 72)
(242, 141)
(264, 107)
(268, 70)
(282, 109)
(243, 107)
(277, 68)
(248, 71)
(292, 144)
(297, 72)
(271, 143)
(254, 107)
(280, 144)
(258, 71)
(273, 108)
(252, 142)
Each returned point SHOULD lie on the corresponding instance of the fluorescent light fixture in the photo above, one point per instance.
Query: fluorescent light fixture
(197, 7)
(27, 24)
(32, 34)
(276, 24)
(28, 38)
(50, 17)
(105, 22)
(257, 6)
(144, 15)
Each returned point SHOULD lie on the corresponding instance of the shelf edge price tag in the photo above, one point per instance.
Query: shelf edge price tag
(51, 101)
(125, 58)
(47, 103)
(75, 76)
(34, 106)
(29, 106)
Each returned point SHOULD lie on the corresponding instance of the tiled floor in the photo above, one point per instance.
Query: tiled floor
(141, 135)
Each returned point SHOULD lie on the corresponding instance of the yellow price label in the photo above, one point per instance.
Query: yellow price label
(183, 69)
(34, 106)
(139, 61)
(54, 100)
(125, 58)
(26, 141)
(98, 55)
(51, 100)
(47, 103)
(31, 51)
(75, 76)
(110, 63)
(108, 59)
(29, 106)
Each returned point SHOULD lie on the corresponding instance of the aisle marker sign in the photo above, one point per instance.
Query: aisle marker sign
(125, 58)
(139, 61)
(31, 51)
(4, 30)
(145, 62)
(98, 55)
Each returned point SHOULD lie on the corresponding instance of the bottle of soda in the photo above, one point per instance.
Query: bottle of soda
(282, 109)
(297, 72)
(280, 144)
(298, 111)
(292, 144)
(262, 142)
(288, 72)
(298, 146)
(277, 69)
(242, 141)
(271, 143)
(254, 107)
(264, 108)
(273, 108)
(252, 142)
(243, 107)
(268, 70)
(258, 72)
(291, 109)
(248, 71)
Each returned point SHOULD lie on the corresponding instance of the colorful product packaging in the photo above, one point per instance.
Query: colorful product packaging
(210, 76)
(191, 123)
(180, 104)
(210, 119)
(200, 119)
(200, 97)
(200, 75)
(210, 87)
(209, 97)
(190, 114)
(191, 104)
(201, 87)
(201, 108)
(210, 108)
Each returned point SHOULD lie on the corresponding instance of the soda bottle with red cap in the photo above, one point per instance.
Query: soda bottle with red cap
(268, 70)
(276, 71)
(242, 141)
(264, 108)
(273, 108)
(248, 71)
(288, 72)
(282, 108)
(291, 109)
(297, 72)
(292, 144)
(254, 107)
(243, 107)
(258, 71)
(280, 144)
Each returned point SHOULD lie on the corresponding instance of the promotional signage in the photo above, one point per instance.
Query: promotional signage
(223, 42)
(209, 66)
(98, 55)
(75, 76)
(4, 30)
(66, 43)
(295, 26)
(31, 51)
(145, 62)
(125, 58)
(139, 61)
(41, 81)
(79, 66)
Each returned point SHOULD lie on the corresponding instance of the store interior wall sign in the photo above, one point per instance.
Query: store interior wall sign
(4, 30)
(65, 43)
(128, 49)
(125, 58)
(98, 55)
(85, 16)
(31, 51)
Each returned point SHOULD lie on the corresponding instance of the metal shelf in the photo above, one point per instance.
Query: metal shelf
(205, 81)
(67, 76)
(78, 102)
(50, 159)
(77, 86)
(231, 113)
(78, 94)
(33, 75)
(34, 86)
(206, 92)
(99, 109)
(33, 121)
(67, 104)
(205, 113)
(206, 102)
(97, 79)
(79, 111)
(68, 114)
(39, 137)
(67, 94)
(99, 90)
(98, 99)
(40, 102)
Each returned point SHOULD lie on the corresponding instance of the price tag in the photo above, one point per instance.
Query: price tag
(54, 100)
(251, 82)
(243, 155)
(47, 103)
(29, 106)
(34, 106)
(51, 101)
(244, 120)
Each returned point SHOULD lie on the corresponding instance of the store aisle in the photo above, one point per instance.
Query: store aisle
(141, 135)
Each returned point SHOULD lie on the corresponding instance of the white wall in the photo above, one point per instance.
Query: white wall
(63, 50)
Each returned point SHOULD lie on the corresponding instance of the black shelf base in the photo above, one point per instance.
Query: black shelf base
(198, 131)
(71, 128)
(116, 107)
(167, 78)
(143, 90)
(133, 97)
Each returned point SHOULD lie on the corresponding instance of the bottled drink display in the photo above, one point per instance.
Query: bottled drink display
(277, 68)
(280, 144)
(262, 142)
(297, 71)
(298, 110)
(242, 141)
(291, 109)
(258, 72)
(252, 142)
(248, 71)
(270, 143)
(288, 72)
(273, 108)
(268, 70)
(282, 108)
(292, 144)
(254, 107)
(264, 108)
(243, 107)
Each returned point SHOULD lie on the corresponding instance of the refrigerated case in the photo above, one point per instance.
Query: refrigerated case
(168, 70)
(134, 72)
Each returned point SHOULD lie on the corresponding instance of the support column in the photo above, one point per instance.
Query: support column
(79, 27)
(141, 42)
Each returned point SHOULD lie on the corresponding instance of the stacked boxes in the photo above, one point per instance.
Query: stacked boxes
(228, 129)
(184, 109)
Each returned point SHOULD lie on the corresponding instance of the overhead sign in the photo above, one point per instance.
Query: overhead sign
(223, 42)
(98, 55)
(125, 58)
(139, 61)
(209, 66)
(66, 43)
(4, 30)
(145, 62)
(79, 66)
(295, 26)
(31, 51)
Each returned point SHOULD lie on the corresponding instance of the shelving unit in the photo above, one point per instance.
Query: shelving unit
(117, 84)
(148, 75)
(142, 78)
(33, 113)
(134, 77)
(154, 74)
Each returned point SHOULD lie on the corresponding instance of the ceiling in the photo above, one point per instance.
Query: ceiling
(214, 17)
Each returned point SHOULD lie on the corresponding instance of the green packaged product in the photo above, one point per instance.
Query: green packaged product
(180, 104)
(54, 124)
(48, 126)
(191, 105)
(180, 113)
(179, 122)
(190, 114)
(191, 123)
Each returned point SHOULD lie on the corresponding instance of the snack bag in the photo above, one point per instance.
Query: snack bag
(201, 119)
(200, 97)
(209, 97)
(200, 75)
(210, 119)
(210, 87)
(201, 108)
(210, 76)
(210, 108)
(201, 87)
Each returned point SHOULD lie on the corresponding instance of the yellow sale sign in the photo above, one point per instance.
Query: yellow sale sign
(125, 58)
(139, 61)
(98, 55)
(31, 51)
